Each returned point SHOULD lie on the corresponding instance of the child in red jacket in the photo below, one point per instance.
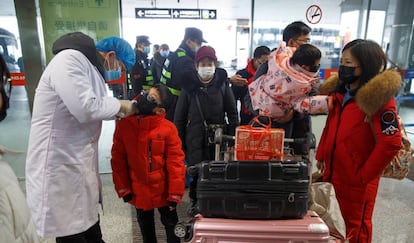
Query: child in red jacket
(148, 163)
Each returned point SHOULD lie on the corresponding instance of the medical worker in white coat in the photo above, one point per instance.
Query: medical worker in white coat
(62, 179)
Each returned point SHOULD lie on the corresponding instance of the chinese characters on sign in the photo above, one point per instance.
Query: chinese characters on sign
(96, 18)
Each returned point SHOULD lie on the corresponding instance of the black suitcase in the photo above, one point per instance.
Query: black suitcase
(253, 189)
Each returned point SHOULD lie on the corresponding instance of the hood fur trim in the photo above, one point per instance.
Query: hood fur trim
(378, 91)
(374, 94)
(329, 85)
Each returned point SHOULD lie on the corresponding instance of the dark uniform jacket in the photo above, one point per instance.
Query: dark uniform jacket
(182, 69)
(141, 73)
(157, 63)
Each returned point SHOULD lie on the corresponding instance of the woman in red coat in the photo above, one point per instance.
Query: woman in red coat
(148, 164)
(350, 155)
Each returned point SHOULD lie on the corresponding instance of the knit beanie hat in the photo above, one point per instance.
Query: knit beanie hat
(205, 51)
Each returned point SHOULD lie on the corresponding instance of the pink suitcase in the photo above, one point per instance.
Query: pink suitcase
(217, 230)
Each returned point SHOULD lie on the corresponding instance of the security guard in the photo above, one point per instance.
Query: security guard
(142, 78)
(179, 70)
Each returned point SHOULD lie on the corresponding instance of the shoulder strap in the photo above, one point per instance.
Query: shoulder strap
(223, 88)
(201, 111)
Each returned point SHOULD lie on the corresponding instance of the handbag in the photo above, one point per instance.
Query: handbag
(322, 200)
(209, 129)
(259, 141)
(399, 166)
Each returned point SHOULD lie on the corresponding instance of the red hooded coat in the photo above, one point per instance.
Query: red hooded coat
(147, 161)
(354, 157)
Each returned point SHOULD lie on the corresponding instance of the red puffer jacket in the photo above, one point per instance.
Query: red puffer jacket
(354, 157)
(147, 161)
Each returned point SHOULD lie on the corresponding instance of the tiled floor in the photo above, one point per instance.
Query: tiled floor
(393, 215)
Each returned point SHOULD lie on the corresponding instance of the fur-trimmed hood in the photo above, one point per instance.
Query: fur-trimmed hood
(374, 94)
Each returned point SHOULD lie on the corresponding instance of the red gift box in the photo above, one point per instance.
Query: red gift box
(258, 143)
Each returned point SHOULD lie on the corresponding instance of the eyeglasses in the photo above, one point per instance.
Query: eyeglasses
(305, 41)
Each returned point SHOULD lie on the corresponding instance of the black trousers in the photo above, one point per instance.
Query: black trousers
(92, 235)
(147, 224)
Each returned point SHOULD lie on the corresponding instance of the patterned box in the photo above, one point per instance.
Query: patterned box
(257, 143)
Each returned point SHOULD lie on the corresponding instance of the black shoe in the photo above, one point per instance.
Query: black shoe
(192, 209)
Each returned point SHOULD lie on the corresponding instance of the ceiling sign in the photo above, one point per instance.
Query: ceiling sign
(156, 13)
(175, 13)
(314, 14)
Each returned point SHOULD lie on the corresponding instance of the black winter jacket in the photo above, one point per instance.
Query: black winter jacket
(139, 71)
(157, 63)
(183, 69)
(183, 72)
(216, 103)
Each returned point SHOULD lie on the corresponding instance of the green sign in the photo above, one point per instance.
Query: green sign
(96, 18)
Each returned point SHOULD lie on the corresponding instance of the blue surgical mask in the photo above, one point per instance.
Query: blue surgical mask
(110, 75)
(164, 53)
(114, 70)
(147, 50)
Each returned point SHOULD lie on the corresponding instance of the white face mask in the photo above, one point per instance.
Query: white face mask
(206, 73)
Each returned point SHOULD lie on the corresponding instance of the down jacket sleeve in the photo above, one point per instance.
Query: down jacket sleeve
(119, 164)
(181, 116)
(230, 108)
(175, 166)
(387, 146)
(312, 104)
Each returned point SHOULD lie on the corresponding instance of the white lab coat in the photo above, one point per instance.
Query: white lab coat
(62, 180)
(16, 225)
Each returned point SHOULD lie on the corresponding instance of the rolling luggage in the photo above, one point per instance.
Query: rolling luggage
(208, 230)
(253, 189)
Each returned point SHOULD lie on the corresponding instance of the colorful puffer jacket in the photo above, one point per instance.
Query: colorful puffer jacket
(284, 87)
(354, 157)
(147, 161)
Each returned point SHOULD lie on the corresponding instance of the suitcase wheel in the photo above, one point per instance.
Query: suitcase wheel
(180, 230)
(183, 230)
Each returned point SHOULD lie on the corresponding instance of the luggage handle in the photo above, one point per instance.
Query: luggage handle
(256, 120)
(290, 170)
(217, 168)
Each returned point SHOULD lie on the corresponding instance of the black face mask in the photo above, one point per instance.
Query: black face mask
(314, 68)
(346, 74)
(145, 105)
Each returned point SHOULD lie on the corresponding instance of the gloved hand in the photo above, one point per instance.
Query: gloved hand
(127, 108)
(127, 197)
(172, 205)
